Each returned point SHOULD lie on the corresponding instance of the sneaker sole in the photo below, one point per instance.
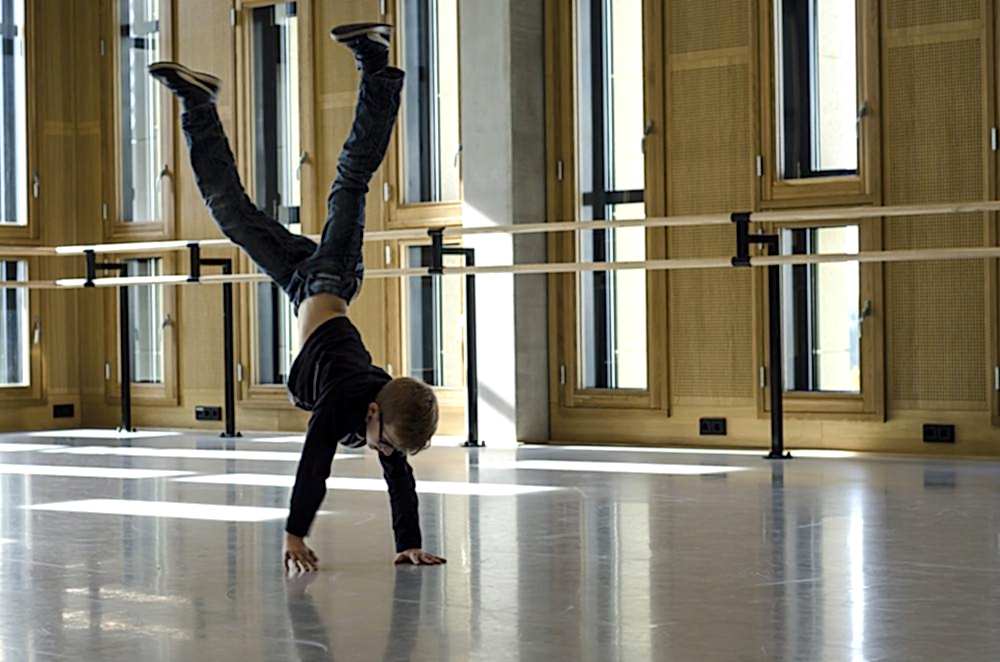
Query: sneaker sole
(348, 32)
(207, 82)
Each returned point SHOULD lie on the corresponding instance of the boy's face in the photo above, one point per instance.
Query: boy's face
(378, 436)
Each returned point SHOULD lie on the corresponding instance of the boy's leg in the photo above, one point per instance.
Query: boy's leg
(268, 243)
(336, 267)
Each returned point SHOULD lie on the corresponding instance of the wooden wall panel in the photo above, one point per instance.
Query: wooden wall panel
(935, 104)
(709, 169)
(697, 25)
(910, 13)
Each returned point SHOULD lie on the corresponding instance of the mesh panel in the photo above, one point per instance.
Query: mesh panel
(934, 137)
(702, 25)
(908, 13)
(711, 156)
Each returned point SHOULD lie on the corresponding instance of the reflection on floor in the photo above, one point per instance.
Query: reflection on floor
(168, 547)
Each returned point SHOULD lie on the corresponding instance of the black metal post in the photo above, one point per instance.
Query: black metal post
(194, 253)
(228, 333)
(774, 356)
(742, 221)
(775, 361)
(125, 352)
(437, 251)
(91, 257)
(471, 357)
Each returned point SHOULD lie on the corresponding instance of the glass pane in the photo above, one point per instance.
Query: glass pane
(612, 305)
(139, 120)
(146, 315)
(13, 110)
(821, 321)
(277, 189)
(430, 117)
(277, 335)
(435, 323)
(817, 88)
(14, 364)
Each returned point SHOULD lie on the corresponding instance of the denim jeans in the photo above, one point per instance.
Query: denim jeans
(295, 263)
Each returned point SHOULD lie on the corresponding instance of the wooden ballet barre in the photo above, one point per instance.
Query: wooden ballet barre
(864, 213)
(675, 264)
(184, 279)
(418, 234)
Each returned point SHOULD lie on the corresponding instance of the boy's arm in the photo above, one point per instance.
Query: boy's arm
(403, 499)
(405, 514)
(314, 469)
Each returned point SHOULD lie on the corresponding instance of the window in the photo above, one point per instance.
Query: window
(822, 312)
(140, 114)
(817, 90)
(147, 317)
(435, 335)
(277, 335)
(276, 158)
(610, 132)
(429, 126)
(13, 110)
(14, 343)
(152, 344)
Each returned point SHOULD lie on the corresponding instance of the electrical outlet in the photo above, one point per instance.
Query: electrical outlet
(62, 411)
(939, 434)
(203, 413)
(712, 427)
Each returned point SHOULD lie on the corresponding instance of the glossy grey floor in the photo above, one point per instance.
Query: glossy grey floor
(168, 547)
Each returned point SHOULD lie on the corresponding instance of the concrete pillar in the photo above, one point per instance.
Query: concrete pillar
(503, 146)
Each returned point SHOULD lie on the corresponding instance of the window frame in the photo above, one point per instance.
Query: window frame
(452, 400)
(400, 214)
(565, 366)
(863, 188)
(30, 233)
(251, 393)
(111, 192)
(869, 404)
(167, 393)
(35, 391)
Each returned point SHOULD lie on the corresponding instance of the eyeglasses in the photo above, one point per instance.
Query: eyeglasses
(382, 443)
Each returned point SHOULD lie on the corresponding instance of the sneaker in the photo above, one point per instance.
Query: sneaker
(368, 41)
(194, 88)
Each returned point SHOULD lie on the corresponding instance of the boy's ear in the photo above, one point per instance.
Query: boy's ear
(373, 409)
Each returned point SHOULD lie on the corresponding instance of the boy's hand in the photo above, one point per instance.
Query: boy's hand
(298, 556)
(418, 557)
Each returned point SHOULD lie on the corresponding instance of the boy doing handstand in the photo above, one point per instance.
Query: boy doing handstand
(353, 402)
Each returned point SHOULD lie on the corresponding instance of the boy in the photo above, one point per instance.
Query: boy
(353, 403)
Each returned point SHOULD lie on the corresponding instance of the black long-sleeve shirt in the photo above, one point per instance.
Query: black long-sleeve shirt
(333, 377)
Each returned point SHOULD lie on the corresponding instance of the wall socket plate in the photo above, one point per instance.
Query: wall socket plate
(63, 411)
(712, 427)
(205, 413)
(939, 434)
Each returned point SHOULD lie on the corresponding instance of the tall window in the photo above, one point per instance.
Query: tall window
(817, 102)
(13, 114)
(147, 318)
(612, 304)
(430, 121)
(139, 111)
(14, 360)
(277, 187)
(822, 313)
(435, 335)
